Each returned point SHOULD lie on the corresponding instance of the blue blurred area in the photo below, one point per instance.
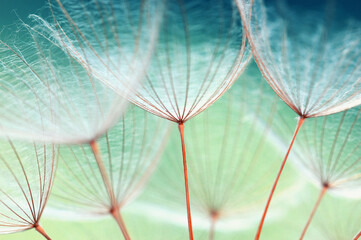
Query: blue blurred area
(9, 9)
(343, 8)
(12, 10)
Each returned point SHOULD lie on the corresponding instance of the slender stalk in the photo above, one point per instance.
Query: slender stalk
(322, 193)
(118, 218)
(190, 229)
(214, 217)
(299, 124)
(41, 231)
(114, 205)
(357, 236)
(103, 172)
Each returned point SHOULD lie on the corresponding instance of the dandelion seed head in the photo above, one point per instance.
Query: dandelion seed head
(200, 51)
(313, 66)
(48, 96)
(337, 219)
(50, 78)
(130, 151)
(26, 173)
(327, 151)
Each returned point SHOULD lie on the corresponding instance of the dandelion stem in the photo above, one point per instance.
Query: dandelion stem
(299, 124)
(322, 193)
(114, 205)
(357, 236)
(118, 218)
(214, 217)
(190, 229)
(103, 172)
(41, 231)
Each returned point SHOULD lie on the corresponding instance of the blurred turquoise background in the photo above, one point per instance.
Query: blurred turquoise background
(12, 10)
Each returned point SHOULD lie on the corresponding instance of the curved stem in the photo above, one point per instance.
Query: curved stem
(299, 124)
(190, 229)
(114, 205)
(118, 218)
(322, 193)
(42, 231)
(357, 236)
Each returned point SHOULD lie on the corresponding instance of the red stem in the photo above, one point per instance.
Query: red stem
(357, 236)
(190, 229)
(103, 172)
(299, 124)
(322, 193)
(114, 204)
(118, 218)
(42, 231)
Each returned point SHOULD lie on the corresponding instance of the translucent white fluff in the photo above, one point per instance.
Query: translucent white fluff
(200, 52)
(47, 95)
(50, 72)
(313, 67)
(112, 39)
